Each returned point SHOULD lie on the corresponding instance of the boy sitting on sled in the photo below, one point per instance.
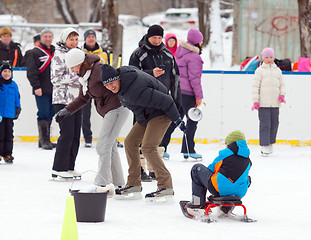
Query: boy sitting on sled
(227, 175)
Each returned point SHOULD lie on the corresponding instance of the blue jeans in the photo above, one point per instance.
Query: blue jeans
(45, 107)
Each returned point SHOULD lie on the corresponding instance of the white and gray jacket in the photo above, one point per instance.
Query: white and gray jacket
(65, 83)
(268, 85)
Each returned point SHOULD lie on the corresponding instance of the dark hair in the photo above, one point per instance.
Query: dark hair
(199, 46)
(86, 66)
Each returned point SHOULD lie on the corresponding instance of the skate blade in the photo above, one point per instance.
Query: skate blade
(61, 179)
(159, 200)
(166, 159)
(192, 159)
(130, 196)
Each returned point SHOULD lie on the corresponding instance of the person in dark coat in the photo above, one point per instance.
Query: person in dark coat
(9, 50)
(39, 76)
(154, 109)
(155, 59)
(36, 42)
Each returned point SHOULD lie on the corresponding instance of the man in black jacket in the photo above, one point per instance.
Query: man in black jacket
(155, 59)
(38, 74)
(154, 109)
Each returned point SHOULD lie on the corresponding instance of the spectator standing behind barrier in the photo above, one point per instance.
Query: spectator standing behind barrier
(10, 108)
(154, 109)
(36, 42)
(9, 50)
(90, 46)
(190, 66)
(153, 58)
(268, 92)
(65, 89)
(39, 76)
(88, 67)
(171, 42)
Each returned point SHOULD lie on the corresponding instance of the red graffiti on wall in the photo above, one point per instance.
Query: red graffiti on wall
(278, 25)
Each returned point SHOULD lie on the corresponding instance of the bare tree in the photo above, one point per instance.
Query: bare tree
(236, 33)
(111, 30)
(305, 27)
(96, 6)
(66, 10)
(204, 26)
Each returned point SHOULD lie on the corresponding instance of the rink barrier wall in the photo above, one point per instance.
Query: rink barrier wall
(227, 95)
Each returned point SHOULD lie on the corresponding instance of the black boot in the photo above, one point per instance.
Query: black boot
(40, 135)
(49, 133)
(45, 136)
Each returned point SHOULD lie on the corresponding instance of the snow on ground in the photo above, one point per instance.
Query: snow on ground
(32, 207)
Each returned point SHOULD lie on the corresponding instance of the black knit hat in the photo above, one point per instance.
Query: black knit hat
(109, 74)
(155, 30)
(6, 64)
(36, 38)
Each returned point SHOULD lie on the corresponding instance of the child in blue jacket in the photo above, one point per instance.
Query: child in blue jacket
(227, 175)
(10, 108)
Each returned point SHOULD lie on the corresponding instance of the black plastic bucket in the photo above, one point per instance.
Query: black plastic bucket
(90, 207)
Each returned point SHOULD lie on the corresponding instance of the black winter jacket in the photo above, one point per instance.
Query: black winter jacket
(146, 97)
(10, 53)
(147, 57)
(38, 69)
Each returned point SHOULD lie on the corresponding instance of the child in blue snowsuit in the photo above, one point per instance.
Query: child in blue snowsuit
(226, 175)
(10, 108)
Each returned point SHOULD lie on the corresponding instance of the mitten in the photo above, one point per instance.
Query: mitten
(181, 124)
(17, 112)
(61, 114)
(255, 106)
(282, 99)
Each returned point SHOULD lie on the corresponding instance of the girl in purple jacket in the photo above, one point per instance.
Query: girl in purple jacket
(190, 66)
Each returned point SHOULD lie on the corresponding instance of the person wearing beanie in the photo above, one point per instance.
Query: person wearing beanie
(10, 50)
(88, 68)
(268, 92)
(190, 66)
(154, 109)
(10, 108)
(38, 74)
(92, 47)
(154, 58)
(36, 42)
(65, 90)
(227, 175)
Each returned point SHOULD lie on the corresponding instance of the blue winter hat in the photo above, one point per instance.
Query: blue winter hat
(89, 32)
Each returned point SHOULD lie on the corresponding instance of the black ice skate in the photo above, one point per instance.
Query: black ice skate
(160, 196)
(8, 159)
(128, 193)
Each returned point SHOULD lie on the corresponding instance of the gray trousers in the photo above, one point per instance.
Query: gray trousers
(268, 125)
(109, 164)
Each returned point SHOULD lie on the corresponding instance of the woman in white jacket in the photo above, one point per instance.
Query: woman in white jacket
(65, 89)
(268, 92)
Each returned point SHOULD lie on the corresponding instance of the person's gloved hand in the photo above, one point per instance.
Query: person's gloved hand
(181, 124)
(61, 114)
(255, 106)
(0, 118)
(282, 99)
(17, 112)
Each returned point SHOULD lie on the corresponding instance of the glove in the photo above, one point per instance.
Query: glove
(255, 106)
(181, 124)
(198, 102)
(0, 118)
(61, 114)
(17, 112)
(282, 99)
